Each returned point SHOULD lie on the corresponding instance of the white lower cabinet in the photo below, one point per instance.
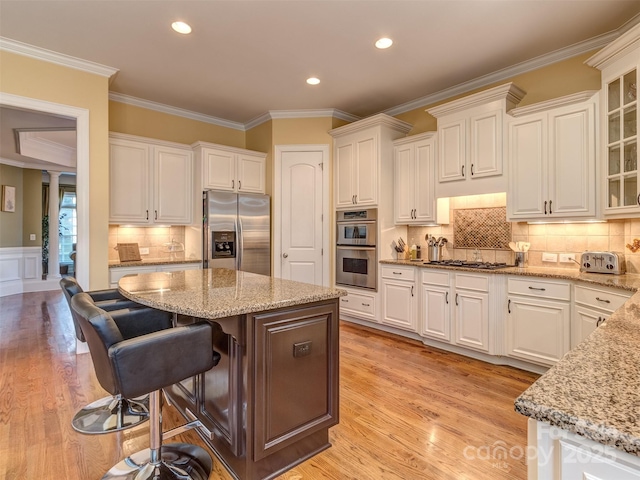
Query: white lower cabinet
(592, 306)
(538, 320)
(471, 302)
(436, 311)
(359, 304)
(562, 455)
(115, 274)
(399, 298)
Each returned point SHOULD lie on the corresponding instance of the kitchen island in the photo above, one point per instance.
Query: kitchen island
(270, 401)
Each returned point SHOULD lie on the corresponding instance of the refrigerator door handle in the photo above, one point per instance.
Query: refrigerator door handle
(239, 240)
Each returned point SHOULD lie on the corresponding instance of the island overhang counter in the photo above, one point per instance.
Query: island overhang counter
(272, 398)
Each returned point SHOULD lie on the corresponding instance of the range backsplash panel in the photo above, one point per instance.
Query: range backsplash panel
(483, 228)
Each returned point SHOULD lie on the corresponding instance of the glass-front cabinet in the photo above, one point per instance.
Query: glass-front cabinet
(620, 63)
(622, 141)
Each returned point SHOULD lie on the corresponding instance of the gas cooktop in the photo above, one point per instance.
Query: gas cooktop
(461, 263)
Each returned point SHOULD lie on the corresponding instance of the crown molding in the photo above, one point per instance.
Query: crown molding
(553, 103)
(38, 53)
(33, 146)
(509, 92)
(180, 112)
(506, 73)
(381, 119)
(622, 45)
(311, 113)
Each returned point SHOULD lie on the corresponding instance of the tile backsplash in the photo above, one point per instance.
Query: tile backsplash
(156, 239)
(574, 238)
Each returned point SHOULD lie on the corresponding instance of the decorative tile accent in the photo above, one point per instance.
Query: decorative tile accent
(484, 228)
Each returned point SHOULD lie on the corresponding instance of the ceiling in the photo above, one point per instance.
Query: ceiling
(246, 58)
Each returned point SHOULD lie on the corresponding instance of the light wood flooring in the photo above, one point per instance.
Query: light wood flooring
(406, 411)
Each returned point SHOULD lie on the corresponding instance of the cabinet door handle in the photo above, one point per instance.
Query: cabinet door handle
(550, 210)
(366, 304)
(397, 273)
(446, 298)
(539, 289)
(356, 197)
(599, 322)
(239, 184)
(147, 214)
(604, 300)
(463, 170)
(639, 199)
(412, 290)
(456, 299)
(472, 169)
(233, 184)
(545, 207)
(156, 214)
(509, 306)
(344, 300)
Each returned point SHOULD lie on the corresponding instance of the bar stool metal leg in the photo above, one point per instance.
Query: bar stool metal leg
(111, 414)
(179, 461)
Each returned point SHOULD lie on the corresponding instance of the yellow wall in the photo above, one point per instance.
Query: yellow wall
(11, 222)
(124, 118)
(41, 80)
(556, 80)
(32, 200)
(260, 139)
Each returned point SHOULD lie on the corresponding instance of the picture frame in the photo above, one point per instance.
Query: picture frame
(8, 198)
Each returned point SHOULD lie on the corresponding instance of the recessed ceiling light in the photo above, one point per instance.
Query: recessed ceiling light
(181, 27)
(383, 43)
(313, 81)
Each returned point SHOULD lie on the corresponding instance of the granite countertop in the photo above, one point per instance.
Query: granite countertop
(629, 281)
(147, 262)
(219, 292)
(594, 390)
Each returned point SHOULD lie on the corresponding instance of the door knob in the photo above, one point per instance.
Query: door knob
(285, 255)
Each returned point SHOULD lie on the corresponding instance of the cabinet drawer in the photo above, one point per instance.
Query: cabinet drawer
(432, 277)
(602, 299)
(399, 273)
(539, 288)
(360, 303)
(479, 283)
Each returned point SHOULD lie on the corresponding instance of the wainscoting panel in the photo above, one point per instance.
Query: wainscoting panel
(21, 271)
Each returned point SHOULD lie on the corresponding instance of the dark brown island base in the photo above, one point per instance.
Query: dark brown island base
(270, 401)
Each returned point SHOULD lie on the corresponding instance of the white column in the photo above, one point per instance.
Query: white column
(54, 225)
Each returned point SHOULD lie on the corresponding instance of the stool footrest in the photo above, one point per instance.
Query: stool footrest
(194, 423)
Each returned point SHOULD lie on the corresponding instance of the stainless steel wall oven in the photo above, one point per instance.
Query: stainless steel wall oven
(356, 253)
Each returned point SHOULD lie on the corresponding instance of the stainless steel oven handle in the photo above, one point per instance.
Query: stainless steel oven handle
(354, 247)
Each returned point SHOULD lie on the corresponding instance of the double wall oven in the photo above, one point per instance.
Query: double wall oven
(356, 253)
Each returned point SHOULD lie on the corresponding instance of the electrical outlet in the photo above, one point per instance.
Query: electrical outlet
(567, 258)
(550, 257)
(144, 251)
(32, 236)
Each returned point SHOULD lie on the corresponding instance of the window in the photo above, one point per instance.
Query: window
(68, 227)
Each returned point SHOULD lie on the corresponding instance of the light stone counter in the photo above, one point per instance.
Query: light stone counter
(219, 292)
(594, 390)
(148, 262)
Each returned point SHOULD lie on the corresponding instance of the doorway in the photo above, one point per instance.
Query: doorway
(301, 216)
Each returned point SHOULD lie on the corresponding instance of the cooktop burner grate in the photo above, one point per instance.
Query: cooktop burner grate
(461, 263)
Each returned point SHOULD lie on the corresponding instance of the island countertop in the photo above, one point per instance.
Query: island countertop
(219, 292)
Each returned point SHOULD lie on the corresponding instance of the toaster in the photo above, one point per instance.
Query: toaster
(602, 262)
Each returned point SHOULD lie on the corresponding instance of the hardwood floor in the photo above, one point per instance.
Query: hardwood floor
(406, 411)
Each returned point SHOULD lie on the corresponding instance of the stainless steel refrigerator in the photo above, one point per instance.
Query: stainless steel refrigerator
(237, 231)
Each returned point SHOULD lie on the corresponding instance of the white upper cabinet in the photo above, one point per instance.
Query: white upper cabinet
(620, 64)
(552, 167)
(151, 182)
(414, 179)
(359, 149)
(470, 141)
(231, 169)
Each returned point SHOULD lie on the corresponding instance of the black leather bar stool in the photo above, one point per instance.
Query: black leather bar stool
(133, 365)
(115, 413)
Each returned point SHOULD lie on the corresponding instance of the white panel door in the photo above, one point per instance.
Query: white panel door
(251, 173)
(399, 304)
(366, 171)
(173, 185)
(572, 161)
(301, 216)
(424, 180)
(404, 184)
(472, 320)
(485, 153)
(129, 175)
(219, 170)
(436, 317)
(528, 167)
(584, 322)
(452, 141)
